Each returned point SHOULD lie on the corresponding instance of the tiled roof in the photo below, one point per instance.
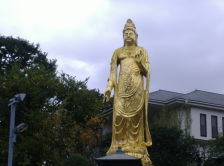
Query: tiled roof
(195, 96)
(205, 97)
(163, 95)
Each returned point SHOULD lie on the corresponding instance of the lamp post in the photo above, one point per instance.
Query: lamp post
(12, 136)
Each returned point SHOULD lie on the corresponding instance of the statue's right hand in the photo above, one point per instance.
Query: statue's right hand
(106, 95)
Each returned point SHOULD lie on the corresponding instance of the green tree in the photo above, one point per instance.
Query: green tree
(171, 147)
(23, 68)
(59, 109)
(212, 162)
(215, 148)
(21, 51)
(174, 116)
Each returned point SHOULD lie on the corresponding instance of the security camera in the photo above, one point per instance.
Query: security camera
(21, 127)
(17, 98)
(20, 97)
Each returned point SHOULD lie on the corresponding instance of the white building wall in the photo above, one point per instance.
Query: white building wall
(195, 125)
(185, 117)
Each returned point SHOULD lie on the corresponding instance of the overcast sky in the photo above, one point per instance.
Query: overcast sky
(184, 38)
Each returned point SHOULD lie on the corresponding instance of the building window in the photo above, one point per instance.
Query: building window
(203, 125)
(223, 126)
(214, 126)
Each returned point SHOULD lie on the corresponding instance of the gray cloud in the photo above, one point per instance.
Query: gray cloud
(184, 39)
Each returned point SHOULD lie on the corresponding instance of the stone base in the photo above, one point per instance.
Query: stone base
(146, 164)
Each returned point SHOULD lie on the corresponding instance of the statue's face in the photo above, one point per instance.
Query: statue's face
(129, 37)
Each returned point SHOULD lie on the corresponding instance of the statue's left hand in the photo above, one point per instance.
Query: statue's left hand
(138, 57)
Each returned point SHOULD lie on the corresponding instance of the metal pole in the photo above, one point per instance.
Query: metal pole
(12, 135)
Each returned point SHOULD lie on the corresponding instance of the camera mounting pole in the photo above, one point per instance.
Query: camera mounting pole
(12, 136)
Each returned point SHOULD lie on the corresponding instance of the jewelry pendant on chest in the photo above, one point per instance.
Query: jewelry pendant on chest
(129, 52)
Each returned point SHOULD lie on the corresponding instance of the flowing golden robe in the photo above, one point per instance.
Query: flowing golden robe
(130, 120)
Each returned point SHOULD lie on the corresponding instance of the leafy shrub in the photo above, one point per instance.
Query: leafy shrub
(76, 160)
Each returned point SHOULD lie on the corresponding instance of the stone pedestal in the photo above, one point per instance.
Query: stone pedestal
(119, 159)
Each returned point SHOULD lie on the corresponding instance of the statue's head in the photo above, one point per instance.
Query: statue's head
(129, 32)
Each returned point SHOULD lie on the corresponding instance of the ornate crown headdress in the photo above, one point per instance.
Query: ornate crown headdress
(130, 26)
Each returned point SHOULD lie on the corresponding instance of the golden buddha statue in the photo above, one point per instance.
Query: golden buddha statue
(130, 128)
